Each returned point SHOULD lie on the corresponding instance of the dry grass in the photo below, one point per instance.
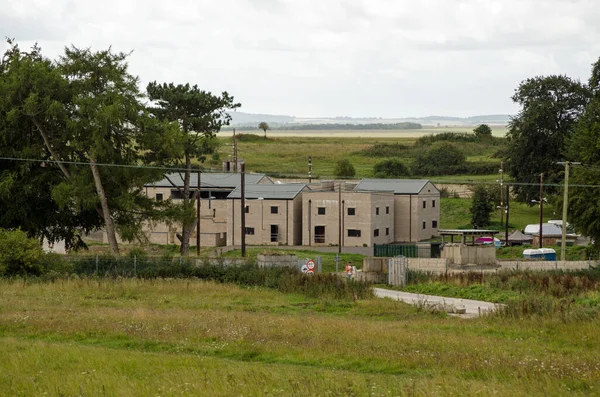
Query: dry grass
(174, 337)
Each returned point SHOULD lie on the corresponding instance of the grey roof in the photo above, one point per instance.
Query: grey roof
(398, 186)
(287, 191)
(517, 236)
(211, 179)
(467, 232)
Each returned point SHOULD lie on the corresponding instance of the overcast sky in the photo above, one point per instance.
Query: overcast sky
(389, 58)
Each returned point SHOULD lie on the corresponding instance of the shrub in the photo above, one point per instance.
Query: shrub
(441, 159)
(19, 255)
(390, 169)
(384, 150)
(249, 138)
(344, 169)
(483, 131)
(481, 207)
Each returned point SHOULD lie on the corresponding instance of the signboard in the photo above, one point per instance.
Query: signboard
(308, 267)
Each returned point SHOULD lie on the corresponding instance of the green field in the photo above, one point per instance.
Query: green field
(287, 155)
(130, 337)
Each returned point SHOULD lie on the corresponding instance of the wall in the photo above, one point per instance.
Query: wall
(460, 254)
(547, 265)
(366, 219)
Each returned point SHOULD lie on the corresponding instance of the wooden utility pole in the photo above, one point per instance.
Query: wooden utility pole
(198, 217)
(235, 152)
(502, 192)
(541, 236)
(507, 209)
(243, 203)
(341, 215)
(309, 169)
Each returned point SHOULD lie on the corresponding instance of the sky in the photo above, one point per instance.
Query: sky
(328, 58)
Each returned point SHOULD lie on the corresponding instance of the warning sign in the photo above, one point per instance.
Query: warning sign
(309, 267)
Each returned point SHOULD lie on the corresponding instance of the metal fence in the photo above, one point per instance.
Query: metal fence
(431, 250)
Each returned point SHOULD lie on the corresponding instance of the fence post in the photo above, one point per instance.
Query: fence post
(446, 267)
(556, 265)
(96, 264)
(135, 266)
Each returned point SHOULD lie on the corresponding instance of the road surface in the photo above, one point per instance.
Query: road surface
(472, 308)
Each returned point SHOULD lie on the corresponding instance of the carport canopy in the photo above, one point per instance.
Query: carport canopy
(466, 233)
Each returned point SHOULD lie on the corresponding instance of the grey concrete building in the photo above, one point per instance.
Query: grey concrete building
(364, 218)
(273, 214)
(416, 206)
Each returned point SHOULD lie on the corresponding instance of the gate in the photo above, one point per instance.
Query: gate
(397, 272)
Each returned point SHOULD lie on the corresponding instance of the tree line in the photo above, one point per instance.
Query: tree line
(79, 140)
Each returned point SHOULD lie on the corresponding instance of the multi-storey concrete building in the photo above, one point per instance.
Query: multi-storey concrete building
(362, 218)
(273, 214)
(214, 189)
(416, 206)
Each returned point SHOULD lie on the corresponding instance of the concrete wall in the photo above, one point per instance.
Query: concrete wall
(547, 265)
(260, 218)
(460, 254)
(277, 261)
(372, 212)
(410, 215)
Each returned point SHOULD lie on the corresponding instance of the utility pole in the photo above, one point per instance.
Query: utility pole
(341, 215)
(198, 216)
(502, 192)
(309, 169)
(507, 208)
(235, 152)
(563, 244)
(243, 203)
(541, 208)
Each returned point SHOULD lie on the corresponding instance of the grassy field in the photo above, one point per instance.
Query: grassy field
(130, 337)
(455, 215)
(288, 155)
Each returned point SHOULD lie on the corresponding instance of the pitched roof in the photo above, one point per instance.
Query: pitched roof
(287, 191)
(548, 229)
(398, 186)
(211, 179)
(517, 236)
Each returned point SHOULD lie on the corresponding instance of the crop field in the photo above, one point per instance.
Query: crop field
(132, 337)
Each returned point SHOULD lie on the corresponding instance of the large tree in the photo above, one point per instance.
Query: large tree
(584, 146)
(550, 107)
(195, 116)
(84, 112)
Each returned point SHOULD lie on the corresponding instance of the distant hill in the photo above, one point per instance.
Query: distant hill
(251, 121)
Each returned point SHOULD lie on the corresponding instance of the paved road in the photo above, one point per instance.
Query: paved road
(472, 308)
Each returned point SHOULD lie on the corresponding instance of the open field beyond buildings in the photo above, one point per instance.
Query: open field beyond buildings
(287, 154)
(131, 337)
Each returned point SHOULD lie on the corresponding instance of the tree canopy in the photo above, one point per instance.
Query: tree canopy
(193, 117)
(550, 107)
(483, 131)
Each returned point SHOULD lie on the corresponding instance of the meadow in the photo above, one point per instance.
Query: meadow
(167, 337)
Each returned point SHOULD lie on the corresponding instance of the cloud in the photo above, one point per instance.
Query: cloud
(335, 57)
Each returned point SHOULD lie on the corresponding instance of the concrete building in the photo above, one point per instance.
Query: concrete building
(214, 189)
(273, 214)
(364, 218)
(416, 206)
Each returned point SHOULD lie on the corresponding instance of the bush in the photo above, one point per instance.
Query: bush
(384, 150)
(390, 169)
(481, 207)
(344, 169)
(442, 159)
(249, 138)
(483, 131)
(19, 255)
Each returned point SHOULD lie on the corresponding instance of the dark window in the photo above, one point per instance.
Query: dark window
(274, 210)
(249, 231)
(319, 234)
(376, 233)
(387, 209)
(351, 211)
(433, 204)
(353, 233)
(434, 224)
(321, 210)
(376, 210)
(387, 231)
(247, 209)
(424, 204)
(159, 197)
(424, 225)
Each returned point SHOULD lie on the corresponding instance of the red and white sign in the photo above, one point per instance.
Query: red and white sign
(309, 267)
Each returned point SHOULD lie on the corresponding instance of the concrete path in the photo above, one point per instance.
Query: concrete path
(461, 307)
